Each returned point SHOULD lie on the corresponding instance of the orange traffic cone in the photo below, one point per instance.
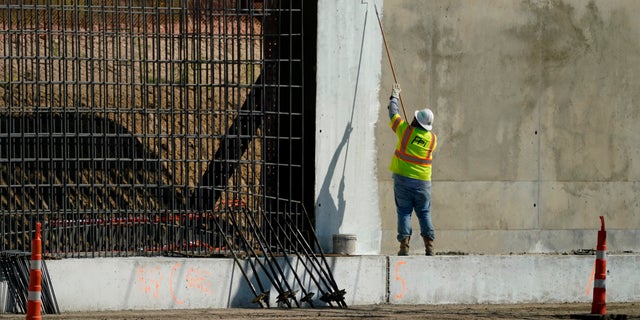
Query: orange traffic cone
(599, 304)
(34, 303)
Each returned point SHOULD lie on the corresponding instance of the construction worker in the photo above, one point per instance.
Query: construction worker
(411, 168)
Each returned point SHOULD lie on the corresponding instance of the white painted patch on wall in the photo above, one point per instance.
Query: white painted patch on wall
(347, 84)
(540, 248)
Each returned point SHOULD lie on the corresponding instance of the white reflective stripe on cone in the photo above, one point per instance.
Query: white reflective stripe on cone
(599, 283)
(36, 264)
(601, 254)
(34, 295)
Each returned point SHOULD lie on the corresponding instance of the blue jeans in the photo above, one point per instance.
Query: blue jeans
(411, 194)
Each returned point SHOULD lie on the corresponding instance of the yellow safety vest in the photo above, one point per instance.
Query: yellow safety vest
(412, 157)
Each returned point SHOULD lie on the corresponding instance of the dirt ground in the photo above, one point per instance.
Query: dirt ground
(481, 311)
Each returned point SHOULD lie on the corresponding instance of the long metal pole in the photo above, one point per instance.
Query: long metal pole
(393, 71)
(283, 296)
(339, 293)
(262, 241)
(324, 273)
(307, 295)
(261, 298)
(327, 279)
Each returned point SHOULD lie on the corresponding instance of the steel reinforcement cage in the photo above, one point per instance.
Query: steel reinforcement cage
(137, 127)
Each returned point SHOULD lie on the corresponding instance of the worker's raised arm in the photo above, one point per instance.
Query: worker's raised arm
(393, 100)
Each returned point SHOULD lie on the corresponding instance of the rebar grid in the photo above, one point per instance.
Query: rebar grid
(132, 127)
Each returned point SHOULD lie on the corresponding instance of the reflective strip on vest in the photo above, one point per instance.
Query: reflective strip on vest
(396, 123)
(408, 158)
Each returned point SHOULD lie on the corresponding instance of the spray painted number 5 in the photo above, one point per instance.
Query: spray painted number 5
(403, 284)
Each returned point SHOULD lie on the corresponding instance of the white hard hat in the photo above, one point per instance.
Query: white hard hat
(425, 118)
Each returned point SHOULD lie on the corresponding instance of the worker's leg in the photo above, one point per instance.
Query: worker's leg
(404, 207)
(423, 211)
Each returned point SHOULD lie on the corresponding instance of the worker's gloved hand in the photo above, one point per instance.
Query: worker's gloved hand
(395, 92)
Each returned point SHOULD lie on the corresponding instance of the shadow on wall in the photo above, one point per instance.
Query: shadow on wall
(78, 161)
(334, 212)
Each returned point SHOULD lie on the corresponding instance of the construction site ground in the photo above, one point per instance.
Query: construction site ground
(386, 311)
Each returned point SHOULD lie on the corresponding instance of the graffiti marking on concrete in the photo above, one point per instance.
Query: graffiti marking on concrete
(403, 284)
(152, 280)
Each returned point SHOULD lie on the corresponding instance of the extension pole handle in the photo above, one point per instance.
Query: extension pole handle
(393, 71)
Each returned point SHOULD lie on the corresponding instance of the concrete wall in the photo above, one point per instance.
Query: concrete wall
(170, 283)
(348, 76)
(175, 283)
(506, 279)
(536, 113)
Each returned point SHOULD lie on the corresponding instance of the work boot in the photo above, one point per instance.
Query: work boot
(404, 247)
(428, 245)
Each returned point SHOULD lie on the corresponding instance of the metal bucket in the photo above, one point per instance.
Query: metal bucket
(344, 244)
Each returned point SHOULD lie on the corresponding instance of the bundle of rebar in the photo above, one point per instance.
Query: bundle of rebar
(275, 240)
(14, 266)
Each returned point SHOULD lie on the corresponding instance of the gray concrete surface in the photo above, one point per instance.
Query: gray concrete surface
(117, 284)
(536, 113)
